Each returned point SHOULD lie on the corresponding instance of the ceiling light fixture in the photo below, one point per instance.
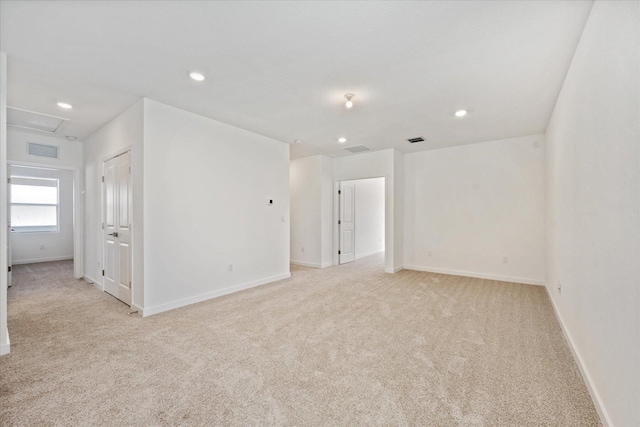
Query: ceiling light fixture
(342, 140)
(460, 113)
(65, 105)
(298, 141)
(196, 76)
(349, 102)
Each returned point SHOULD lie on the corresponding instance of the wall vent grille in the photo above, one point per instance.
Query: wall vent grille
(42, 150)
(414, 140)
(357, 149)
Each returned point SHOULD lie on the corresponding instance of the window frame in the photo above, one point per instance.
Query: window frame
(36, 228)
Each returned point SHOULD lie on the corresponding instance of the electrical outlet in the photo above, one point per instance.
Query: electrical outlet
(230, 267)
(41, 246)
(430, 253)
(301, 248)
(505, 260)
(559, 287)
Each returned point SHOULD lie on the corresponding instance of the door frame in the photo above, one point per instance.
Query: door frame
(388, 225)
(78, 218)
(103, 245)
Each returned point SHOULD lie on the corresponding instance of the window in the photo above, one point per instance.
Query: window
(34, 204)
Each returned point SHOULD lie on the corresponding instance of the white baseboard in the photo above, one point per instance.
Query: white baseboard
(511, 279)
(137, 308)
(93, 282)
(209, 295)
(595, 396)
(37, 260)
(5, 348)
(394, 270)
(311, 264)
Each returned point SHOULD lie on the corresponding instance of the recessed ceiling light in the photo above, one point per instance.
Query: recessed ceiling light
(349, 102)
(342, 139)
(298, 141)
(72, 138)
(196, 76)
(65, 105)
(460, 113)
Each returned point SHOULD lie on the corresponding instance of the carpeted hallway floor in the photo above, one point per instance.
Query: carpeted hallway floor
(342, 346)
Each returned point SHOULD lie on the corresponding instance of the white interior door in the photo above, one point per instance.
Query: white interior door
(347, 222)
(117, 227)
(9, 234)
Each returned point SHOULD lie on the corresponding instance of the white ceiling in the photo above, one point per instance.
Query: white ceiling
(281, 69)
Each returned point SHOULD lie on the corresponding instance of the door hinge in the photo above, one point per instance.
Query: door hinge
(339, 253)
(129, 170)
(103, 179)
(9, 269)
(9, 180)
(103, 272)
(339, 191)
(103, 225)
(339, 222)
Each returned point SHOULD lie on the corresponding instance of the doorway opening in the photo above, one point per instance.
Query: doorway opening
(361, 218)
(42, 205)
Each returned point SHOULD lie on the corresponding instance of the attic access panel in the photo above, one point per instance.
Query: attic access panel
(34, 121)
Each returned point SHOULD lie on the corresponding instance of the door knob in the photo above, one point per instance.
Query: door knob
(115, 234)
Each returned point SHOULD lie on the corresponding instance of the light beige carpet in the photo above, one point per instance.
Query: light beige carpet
(343, 346)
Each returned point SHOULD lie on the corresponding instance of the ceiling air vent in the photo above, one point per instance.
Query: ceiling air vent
(42, 150)
(414, 140)
(357, 149)
(34, 121)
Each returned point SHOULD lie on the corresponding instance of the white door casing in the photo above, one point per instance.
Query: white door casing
(347, 222)
(117, 226)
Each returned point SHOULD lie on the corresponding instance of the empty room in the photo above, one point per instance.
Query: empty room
(320, 213)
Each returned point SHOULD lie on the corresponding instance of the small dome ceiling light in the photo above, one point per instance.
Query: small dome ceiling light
(342, 140)
(349, 102)
(298, 141)
(460, 113)
(65, 105)
(196, 76)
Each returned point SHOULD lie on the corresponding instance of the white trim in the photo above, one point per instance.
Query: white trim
(93, 282)
(595, 396)
(136, 308)
(311, 264)
(394, 270)
(37, 260)
(511, 279)
(209, 295)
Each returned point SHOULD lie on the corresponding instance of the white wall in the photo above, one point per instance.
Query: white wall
(4, 265)
(206, 191)
(69, 152)
(326, 216)
(311, 187)
(469, 207)
(384, 163)
(27, 247)
(124, 131)
(593, 219)
(306, 209)
(369, 216)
